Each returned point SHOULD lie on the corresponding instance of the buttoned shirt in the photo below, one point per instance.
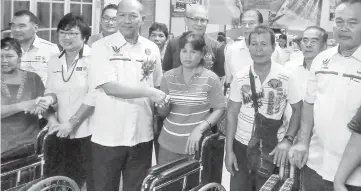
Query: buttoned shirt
(37, 57)
(300, 72)
(124, 122)
(277, 90)
(282, 55)
(71, 87)
(334, 87)
(237, 56)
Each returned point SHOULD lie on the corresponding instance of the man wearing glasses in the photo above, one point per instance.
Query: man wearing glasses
(36, 51)
(108, 23)
(237, 54)
(196, 19)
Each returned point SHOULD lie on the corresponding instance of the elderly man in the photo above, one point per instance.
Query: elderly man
(332, 99)
(36, 51)
(259, 95)
(196, 19)
(126, 69)
(237, 54)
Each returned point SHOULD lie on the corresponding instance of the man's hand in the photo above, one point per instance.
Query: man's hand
(44, 102)
(27, 106)
(63, 130)
(158, 97)
(280, 153)
(231, 161)
(165, 102)
(192, 144)
(298, 154)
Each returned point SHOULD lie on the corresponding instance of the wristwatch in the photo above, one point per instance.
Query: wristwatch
(289, 138)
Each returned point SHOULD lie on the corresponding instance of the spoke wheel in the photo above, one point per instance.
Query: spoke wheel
(56, 183)
(212, 187)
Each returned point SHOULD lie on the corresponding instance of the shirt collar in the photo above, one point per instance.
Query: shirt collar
(120, 38)
(273, 71)
(84, 51)
(36, 42)
(356, 54)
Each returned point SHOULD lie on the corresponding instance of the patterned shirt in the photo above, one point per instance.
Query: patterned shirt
(278, 89)
(190, 104)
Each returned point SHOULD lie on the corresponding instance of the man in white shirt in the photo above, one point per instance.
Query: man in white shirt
(275, 88)
(36, 51)
(126, 71)
(313, 42)
(332, 99)
(237, 54)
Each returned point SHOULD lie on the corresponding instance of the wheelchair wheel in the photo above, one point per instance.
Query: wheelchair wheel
(212, 187)
(56, 183)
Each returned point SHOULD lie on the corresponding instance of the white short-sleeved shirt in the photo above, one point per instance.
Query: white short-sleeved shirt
(124, 122)
(37, 57)
(300, 72)
(73, 93)
(278, 89)
(334, 87)
(236, 57)
(282, 55)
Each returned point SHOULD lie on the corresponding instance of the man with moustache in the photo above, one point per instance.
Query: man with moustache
(108, 23)
(126, 70)
(237, 54)
(196, 19)
(36, 51)
(331, 101)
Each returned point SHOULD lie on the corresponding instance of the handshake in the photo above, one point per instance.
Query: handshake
(164, 102)
(37, 106)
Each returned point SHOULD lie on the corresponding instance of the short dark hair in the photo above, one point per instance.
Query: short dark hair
(11, 43)
(159, 26)
(110, 6)
(263, 29)
(259, 14)
(28, 13)
(197, 41)
(283, 36)
(221, 34)
(323, 31)
(72, 20)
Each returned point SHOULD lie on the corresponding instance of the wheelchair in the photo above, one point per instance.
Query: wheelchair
(22, 169)
(186, 173)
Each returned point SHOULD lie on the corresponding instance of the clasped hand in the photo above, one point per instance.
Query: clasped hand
(37, 106)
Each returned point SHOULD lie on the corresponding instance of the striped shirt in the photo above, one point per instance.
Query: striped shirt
(274, 93)
(189, 105)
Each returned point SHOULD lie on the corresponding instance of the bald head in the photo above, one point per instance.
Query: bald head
(193, 9)
(133, 5)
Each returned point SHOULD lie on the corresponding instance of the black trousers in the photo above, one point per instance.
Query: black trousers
(109, 163)
(69, 157)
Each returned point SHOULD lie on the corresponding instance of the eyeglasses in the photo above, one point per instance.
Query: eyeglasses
(197, 19)
(107, 19)
(70, 35)
(312, 42)
(251, 24)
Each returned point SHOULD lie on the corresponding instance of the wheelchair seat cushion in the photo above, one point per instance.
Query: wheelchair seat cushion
(18, 152)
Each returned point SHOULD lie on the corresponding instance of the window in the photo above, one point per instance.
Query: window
(49, 13)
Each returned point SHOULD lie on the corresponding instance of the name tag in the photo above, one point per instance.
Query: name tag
(80, 69)
(119, 59)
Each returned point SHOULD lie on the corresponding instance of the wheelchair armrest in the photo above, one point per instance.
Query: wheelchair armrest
(18, 152)
(180, 169)
(155, 170)
(40, 140)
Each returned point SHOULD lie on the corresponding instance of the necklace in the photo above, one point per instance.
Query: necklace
(71, 74)
(5, 88)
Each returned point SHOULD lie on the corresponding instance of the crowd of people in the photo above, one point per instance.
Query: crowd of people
(108, 98)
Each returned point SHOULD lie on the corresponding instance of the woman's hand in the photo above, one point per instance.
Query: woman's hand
(63, 130)
(192, 144)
